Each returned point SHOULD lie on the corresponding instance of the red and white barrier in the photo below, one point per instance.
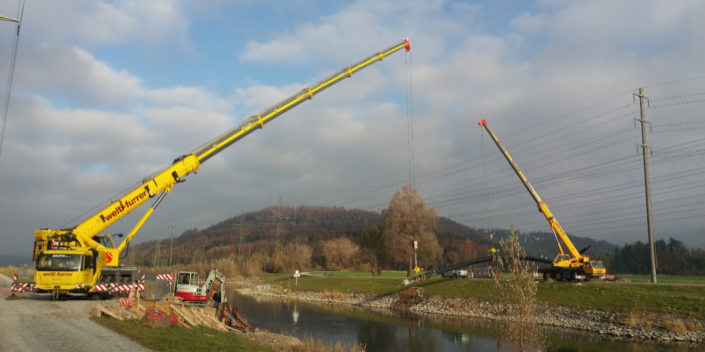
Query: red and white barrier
(117, 288)
(163, 277)
(22, 287)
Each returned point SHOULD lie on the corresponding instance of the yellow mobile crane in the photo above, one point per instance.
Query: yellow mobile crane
(566, 266)
(80, 261)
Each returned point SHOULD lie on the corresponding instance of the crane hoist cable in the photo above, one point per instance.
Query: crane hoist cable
(410, 117)
(484, 171)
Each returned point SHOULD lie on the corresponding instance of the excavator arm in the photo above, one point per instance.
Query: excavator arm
(208, 284)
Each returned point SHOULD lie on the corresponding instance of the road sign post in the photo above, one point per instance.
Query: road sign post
(296, 275)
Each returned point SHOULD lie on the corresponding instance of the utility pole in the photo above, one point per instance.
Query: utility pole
(242, 230)
(156, 249)
(171, 247)
(280, 227)
(647, 182)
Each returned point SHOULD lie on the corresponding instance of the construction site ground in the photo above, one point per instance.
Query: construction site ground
(41, 324)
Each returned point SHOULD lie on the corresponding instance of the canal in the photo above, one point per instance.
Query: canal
(390, 331)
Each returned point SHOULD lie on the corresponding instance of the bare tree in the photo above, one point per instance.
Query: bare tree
(408, 220)
(519, 296)
(340, 254)
(297, 256)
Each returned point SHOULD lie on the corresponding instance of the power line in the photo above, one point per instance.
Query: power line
(673, 104)
(15, 45)
(677, 97)
(674, 82)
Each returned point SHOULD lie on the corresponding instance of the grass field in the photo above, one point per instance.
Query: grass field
(387, 274)
(176, 338)
(666, 279)
(19, 278)
(685, 300)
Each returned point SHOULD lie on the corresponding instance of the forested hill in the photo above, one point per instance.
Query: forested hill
(544, 243)
(312, 224)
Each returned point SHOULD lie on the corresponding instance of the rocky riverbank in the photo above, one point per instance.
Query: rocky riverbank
(637, 326)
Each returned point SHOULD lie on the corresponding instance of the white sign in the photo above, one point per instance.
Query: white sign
(416, 244)
(296, 274)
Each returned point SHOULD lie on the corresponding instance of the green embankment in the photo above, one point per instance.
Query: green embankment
(666, 279)
(685, 300)
(19, 278)
(177, 339)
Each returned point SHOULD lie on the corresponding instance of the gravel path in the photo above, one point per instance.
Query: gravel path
(5, 281)
(41, 324)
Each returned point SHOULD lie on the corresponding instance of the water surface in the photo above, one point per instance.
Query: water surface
(389, 331)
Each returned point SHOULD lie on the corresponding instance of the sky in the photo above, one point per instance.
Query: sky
(106, 93)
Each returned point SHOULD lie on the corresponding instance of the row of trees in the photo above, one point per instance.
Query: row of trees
(672, 258)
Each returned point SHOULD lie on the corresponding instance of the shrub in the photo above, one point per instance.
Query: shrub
(675, 326)
(637, 318)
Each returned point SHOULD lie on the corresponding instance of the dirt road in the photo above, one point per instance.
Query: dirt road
(40, 324)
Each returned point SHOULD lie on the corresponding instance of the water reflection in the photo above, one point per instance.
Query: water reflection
(384, 330)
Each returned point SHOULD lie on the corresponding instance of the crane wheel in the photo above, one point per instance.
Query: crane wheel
(559, 276)
(547, 276)
(573, 276)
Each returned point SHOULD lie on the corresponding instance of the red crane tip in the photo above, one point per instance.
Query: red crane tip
(482, 122)
(408, 44)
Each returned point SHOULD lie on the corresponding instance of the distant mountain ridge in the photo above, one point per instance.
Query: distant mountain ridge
(544, 243)
(310, 224)
(15, 260)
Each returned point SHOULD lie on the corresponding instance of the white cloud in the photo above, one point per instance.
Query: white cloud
(90, 128)
(75, 75)
(349, 34)
(528, 23)
(108, 22)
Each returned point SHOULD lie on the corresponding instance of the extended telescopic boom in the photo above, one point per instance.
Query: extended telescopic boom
(164, 180)
(543, 207)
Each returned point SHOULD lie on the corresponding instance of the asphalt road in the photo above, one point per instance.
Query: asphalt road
(41, 324)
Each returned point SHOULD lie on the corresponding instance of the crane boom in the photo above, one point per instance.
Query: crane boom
(77, 240)
(543, 207)
(213, 147)
(574, 266)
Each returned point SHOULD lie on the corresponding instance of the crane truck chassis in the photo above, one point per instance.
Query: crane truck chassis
(77, 260)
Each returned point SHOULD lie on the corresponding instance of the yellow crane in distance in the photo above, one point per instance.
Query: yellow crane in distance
(573, 265)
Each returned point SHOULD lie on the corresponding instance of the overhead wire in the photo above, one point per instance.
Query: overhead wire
(675, 82)
(424, 179)
(470, 149)
(11, 75)
(583, 195)
(677, 97)
(674, 104)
